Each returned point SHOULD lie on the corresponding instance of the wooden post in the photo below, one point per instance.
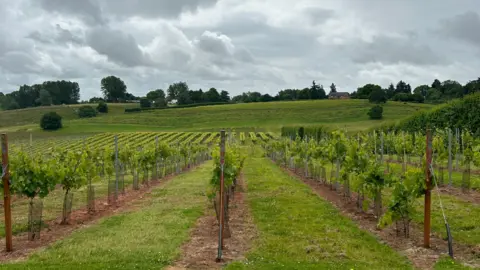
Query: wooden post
(450, 162)
(6, 193)
(117, 173)
(428, 194)
(222, 202)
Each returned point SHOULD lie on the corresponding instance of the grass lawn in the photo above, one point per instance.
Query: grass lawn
(147, 238)
(299, 230)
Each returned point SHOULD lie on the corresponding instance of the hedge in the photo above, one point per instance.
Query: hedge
(460, 113)
(315, 132)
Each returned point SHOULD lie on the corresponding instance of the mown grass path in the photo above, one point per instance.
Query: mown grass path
(299, 230)
(149, 236)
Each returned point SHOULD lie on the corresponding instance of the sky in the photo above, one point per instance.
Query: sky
(238, 45)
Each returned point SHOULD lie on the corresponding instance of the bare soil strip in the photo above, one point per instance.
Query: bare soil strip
(412, 247)
(200, 251)
(80, 218)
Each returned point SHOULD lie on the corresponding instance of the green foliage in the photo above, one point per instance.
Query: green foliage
(404, 194)
(233, 165)
(86, 111)
(377, 96)
(51, 121)
(461, 113)
(145, 103)
(113, 89)
(102, 107)
(32, 175)
(376, 112)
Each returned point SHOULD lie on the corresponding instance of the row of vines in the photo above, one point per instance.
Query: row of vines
(357, 165)
(102, 161)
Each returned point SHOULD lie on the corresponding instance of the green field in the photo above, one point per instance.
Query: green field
(271, 116)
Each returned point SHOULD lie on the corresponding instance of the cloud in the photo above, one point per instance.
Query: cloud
(154, 8)
(118, 46)
(87, 10)
(464, 27)
(237, 45)
(394, 50)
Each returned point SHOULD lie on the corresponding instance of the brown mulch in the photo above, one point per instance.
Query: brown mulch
(200, 252)
(80, 218)
(412, 248)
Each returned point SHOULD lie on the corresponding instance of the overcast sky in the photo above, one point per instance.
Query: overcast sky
(238, 45)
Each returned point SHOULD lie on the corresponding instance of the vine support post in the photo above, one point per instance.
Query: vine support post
(6, 193)
(222, 202)
(156, 158)
(450, 163)
(117, 173)
(381, 147)
(428, 194)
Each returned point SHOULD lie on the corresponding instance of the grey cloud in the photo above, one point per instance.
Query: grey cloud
(465, 27)
(216, 44)
(19, 63)
(119, 47)
(394, 50)
(317, 15)
(58, 36)
(154, 8)
(87, 10)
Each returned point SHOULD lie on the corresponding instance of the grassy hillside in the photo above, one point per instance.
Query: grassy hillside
(29, 116)
(269, 116)
(265, 116)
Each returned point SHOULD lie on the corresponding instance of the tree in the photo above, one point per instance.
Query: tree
(96, 100)
(403, 87)
(266, 98)
(176, 89)
(183, 98)
(160, 103)
(436, 84)
(333, 88)
(86, 112)
(472, 87)
(102, 107)
(45, 99)
(224, 96)
(145, 103)
(390, 92)
(211, 95)
(365, 91)
(451, 89)
(422, 90)
(196, 96)
(377, 95)
(376, 112)
(315, 92)
(51, 121)
(114, 89)
(155, 94)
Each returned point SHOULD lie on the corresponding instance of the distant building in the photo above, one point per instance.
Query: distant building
(339, 95)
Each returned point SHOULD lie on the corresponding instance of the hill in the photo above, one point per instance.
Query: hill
(28, 116)
(269, 116)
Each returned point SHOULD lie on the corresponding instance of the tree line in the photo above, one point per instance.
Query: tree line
(114, 90)
(437, 92)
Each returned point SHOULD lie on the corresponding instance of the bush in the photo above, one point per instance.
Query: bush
(378, 96)
(376, 112)
(86, 112)
(51, 121)
(102, 107)
(145, 103)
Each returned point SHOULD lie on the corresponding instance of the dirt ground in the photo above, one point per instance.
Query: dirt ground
(412, 248)
(200, 252)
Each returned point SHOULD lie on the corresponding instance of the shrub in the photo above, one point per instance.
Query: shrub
(86, 112)
(145, 103)
(51, 121)
(102, 107)
(376, 112)
(378, 96)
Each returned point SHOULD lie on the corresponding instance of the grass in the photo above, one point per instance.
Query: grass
(299, 230)
(53, 203)
(271, 116)
(147, 238)
(23, 118)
